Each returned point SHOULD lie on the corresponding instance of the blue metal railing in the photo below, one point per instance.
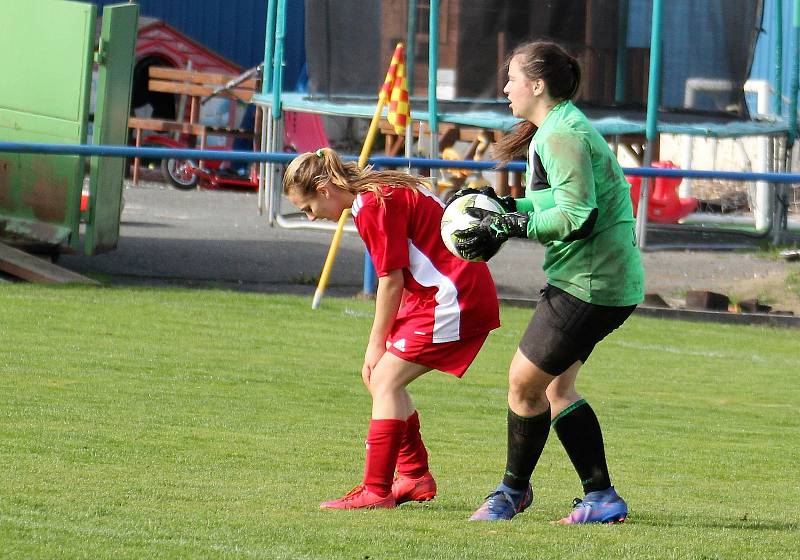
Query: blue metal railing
(379, 161)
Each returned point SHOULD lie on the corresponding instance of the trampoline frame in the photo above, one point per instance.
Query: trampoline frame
(275, 100)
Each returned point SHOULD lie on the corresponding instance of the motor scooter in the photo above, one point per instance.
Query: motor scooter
(187, 174)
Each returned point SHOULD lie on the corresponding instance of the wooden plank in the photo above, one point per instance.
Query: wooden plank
(34, 269)
(196, 129)
(160, 125)
(209, 78)
(198, 90)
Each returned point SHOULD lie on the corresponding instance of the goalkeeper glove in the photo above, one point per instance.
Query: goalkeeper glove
(483, 240)
(507, 202)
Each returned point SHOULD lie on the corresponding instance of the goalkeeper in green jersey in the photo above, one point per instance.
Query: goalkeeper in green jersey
(577, 204)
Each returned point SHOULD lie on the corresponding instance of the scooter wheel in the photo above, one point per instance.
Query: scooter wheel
(180, 172)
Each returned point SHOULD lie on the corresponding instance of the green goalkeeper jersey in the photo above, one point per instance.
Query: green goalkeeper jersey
(580, 209)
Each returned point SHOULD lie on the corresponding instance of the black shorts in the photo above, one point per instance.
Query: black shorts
(565, 329)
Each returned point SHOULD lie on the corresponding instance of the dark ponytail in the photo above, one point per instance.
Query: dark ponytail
(576, 77)
(515, 143)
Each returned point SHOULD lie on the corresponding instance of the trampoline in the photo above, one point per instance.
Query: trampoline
(690, 62)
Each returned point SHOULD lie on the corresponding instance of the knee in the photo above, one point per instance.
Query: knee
(517, 384)
(381, 386)
(522, 388)
(376, 388)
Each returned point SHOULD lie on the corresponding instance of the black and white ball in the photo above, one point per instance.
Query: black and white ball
(456, 218)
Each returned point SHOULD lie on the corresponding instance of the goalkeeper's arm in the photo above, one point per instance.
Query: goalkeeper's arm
(485, 238)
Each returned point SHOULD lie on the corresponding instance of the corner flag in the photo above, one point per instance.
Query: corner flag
(395, 90)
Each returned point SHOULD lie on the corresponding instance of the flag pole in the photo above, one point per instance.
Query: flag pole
(362, 161)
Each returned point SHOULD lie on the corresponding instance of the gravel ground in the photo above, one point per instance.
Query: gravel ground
(217, 237)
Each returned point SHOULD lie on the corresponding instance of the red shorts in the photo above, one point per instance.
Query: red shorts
(450, 357)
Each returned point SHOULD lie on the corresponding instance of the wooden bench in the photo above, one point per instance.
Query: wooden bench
(196, 86)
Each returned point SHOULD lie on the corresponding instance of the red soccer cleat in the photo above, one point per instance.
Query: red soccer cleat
(360, 498)
(405, 489)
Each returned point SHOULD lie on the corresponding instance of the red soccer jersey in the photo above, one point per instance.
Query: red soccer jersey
(446, 298)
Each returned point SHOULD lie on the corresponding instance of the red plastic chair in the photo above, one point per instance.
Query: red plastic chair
(664, 206)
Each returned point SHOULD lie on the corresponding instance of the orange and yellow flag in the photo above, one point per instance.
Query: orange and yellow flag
(395, 91)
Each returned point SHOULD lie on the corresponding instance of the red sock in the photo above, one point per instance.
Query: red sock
(383, 444)
(412, 461)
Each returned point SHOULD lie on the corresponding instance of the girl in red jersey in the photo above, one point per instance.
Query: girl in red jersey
(432, 310)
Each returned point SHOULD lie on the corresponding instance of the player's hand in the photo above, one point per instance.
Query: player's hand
(371, 357)
(485, 239)
(507, 202)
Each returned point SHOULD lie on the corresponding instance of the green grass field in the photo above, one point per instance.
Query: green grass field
(165, 423)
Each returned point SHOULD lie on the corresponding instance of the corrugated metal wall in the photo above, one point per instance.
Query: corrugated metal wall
(233, 29)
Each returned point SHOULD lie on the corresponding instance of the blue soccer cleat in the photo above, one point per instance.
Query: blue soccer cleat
(501, 506)
(604, 506)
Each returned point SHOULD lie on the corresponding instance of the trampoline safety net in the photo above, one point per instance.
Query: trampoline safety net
(707, 47)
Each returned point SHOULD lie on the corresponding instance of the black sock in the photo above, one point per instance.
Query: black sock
(526, 439)
(579, 431)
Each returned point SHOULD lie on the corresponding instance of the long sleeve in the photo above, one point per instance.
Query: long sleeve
(568, 210)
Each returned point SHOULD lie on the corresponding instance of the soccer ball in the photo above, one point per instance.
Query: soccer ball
(456, 219)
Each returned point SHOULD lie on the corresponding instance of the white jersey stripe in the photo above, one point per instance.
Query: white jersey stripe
(447, 313)
(357, 204)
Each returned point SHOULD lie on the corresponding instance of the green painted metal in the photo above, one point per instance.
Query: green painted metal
(796, 14)
(433, 68)
(115, 59)
(411, 34)
(44, 97)
(654, 84)
(651, 125)
(622, 51)
(777, 102)
(795, 79)
(277, 77)
(269, 46)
